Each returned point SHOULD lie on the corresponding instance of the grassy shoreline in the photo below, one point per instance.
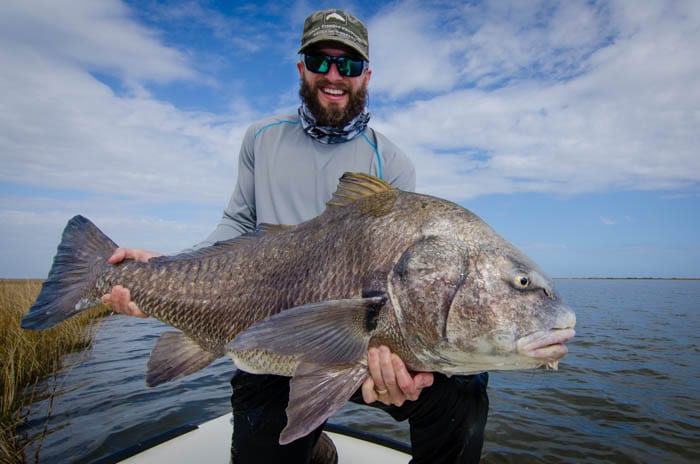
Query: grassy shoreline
(27, 357)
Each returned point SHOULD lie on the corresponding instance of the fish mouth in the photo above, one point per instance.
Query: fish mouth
(547, 346)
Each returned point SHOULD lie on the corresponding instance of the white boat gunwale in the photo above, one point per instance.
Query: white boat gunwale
(342, 435)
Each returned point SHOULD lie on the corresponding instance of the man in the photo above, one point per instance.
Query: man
(288, 168)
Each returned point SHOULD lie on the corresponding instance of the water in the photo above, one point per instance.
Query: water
(629, 390)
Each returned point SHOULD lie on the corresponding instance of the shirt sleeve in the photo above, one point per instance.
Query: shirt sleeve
(239, 216)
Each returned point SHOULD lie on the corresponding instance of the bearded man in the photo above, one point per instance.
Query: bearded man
(288, 168)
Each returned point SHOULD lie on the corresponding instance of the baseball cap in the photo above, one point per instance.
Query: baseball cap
(335, 26)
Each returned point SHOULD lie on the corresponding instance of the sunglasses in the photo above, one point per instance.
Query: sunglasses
(347, 67)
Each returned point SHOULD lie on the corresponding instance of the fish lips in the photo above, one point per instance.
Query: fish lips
(546, 345)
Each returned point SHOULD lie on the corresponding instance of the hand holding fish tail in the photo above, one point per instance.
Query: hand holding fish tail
(120, 297)
(121, 253)
(389, 381)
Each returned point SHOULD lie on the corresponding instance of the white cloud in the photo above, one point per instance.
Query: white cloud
(622, 113)
(62, 128)
(98, 35)
(407, 54)
(613, 221)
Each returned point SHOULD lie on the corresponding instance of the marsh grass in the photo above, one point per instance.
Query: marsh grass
(27, 357)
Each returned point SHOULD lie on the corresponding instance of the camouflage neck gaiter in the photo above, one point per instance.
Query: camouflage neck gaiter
(330, 134)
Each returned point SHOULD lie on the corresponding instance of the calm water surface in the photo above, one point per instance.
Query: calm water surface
(629, 390)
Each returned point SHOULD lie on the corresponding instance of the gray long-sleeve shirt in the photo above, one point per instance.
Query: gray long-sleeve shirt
(286, 177)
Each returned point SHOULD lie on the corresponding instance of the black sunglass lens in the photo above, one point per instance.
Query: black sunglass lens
(317, 63)
(349, 67)
(343, 66)
(346, 66)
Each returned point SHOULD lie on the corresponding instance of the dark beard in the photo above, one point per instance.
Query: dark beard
(333, 117)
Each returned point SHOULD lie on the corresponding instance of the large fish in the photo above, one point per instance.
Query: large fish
(422, 275)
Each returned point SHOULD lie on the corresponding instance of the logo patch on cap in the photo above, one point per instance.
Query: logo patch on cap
(336, 16)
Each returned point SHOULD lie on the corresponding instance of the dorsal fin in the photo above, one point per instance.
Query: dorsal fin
(355, 185)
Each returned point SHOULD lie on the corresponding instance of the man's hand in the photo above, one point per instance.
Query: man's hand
(120, 298)
(389, 381)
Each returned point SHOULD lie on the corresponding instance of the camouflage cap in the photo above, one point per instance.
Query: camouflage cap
(335, 26)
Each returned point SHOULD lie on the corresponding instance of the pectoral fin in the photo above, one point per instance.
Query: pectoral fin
(174, 356)
(325, 333)
(316, 392)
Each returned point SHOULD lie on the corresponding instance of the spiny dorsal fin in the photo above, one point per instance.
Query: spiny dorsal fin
(355, 185)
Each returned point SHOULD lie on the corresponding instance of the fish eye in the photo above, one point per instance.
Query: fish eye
(521, 281)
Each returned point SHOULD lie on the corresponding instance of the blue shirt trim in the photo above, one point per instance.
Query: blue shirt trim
(376, 153)
(276, 123)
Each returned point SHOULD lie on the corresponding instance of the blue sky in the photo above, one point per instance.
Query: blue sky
(573, 127)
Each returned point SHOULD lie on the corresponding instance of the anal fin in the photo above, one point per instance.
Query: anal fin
(176, 355)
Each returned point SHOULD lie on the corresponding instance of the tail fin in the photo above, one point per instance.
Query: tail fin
(70, 286)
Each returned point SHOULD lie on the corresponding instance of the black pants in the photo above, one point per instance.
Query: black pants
(446, 422)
